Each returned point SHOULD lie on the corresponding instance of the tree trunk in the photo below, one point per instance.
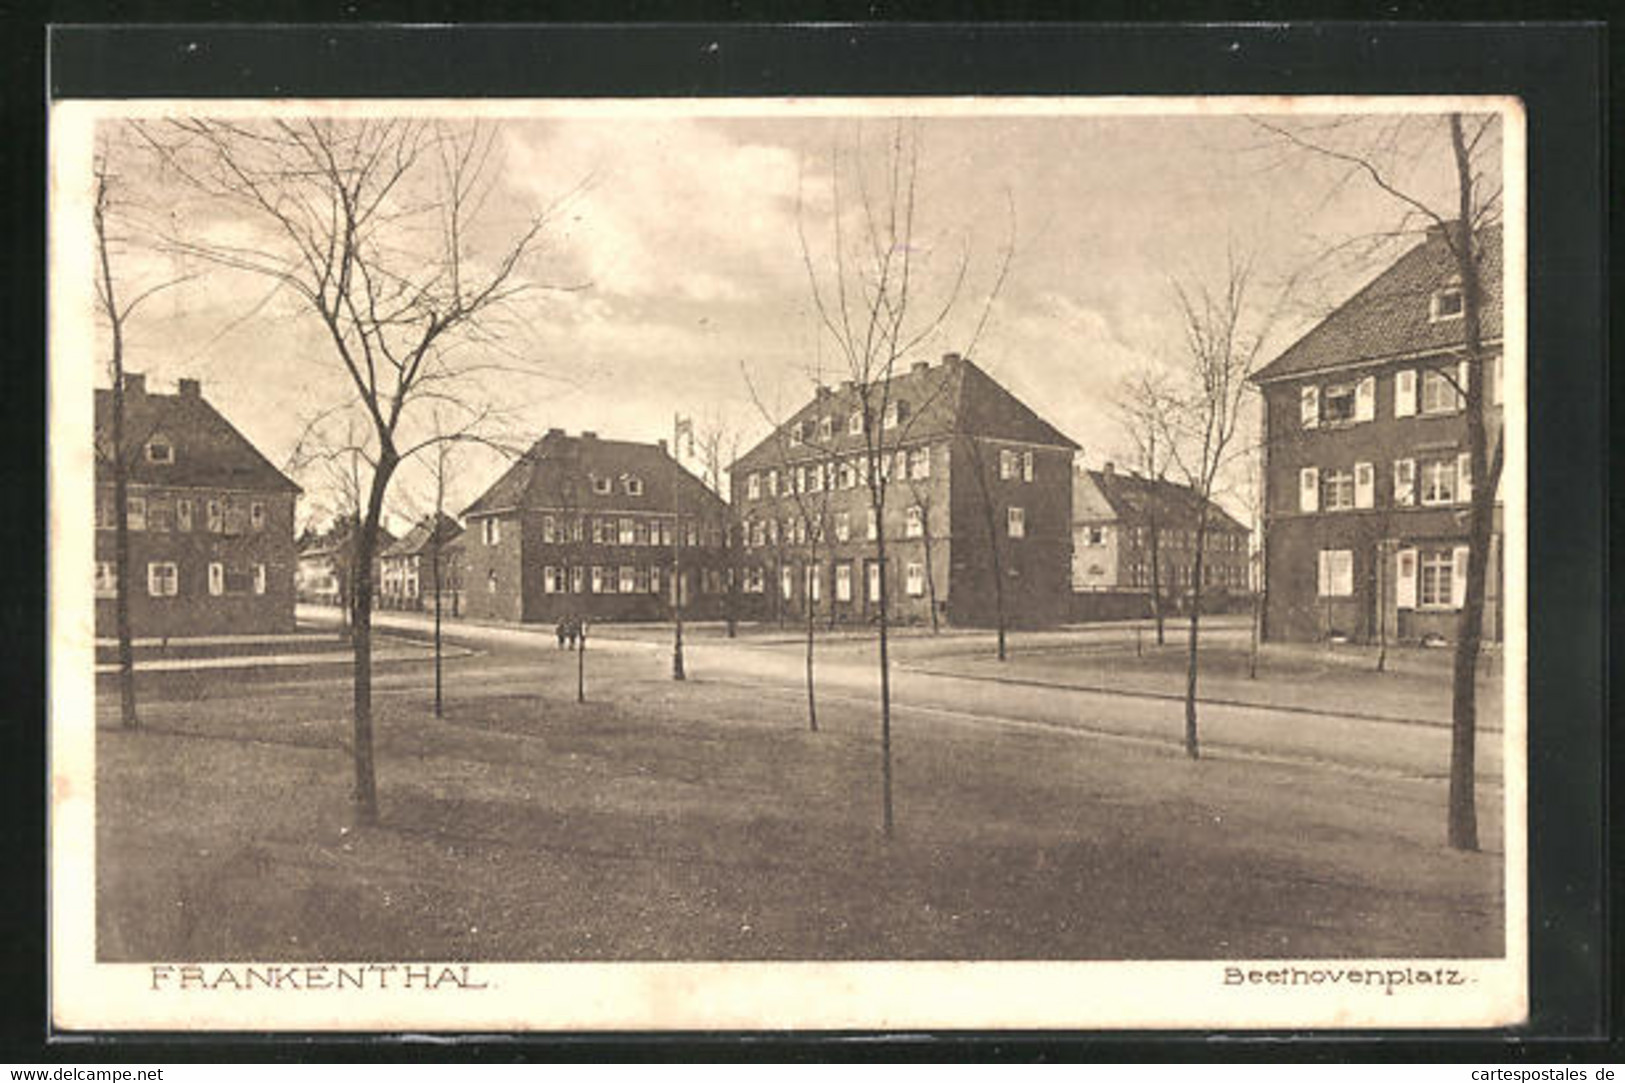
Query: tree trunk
(1156, 579)
(1192, 745)
(366, 786)
(812, 703)
(439, 711)
(1252, 647)
(930, 573)
(885, 680)
(121, 557)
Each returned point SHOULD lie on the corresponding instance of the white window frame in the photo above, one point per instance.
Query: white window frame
(256, 515)
(1436, 474)
(259, 580)
(1309, 406)
(550, 579)
(1026, 466)
(550, 531)
(627, 581)
(603, 486)
(106, 579)
(183, 514)
(1335, 574)
(135, 512)
(914, 522)
(1437, 312)
(1340, 393)
(826, 428)
(578, 579)
(1439, 394)
(1404, 482)
(1435, 579)
(843, 581)
(214, 516)
(633, 485)
(854, 423)
(1334, 486)
(163, 579)
(491, 530)
(1365, 485)
(753, 486)
(843, 526)
(1007, 464)
(152, 446)
(914, 580)
(1015, 521)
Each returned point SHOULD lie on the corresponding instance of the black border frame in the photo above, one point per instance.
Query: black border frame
(1558, 70)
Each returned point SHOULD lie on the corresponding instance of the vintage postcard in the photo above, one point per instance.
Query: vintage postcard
(1041, 563)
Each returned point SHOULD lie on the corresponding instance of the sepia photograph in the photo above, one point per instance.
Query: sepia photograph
(739, 563)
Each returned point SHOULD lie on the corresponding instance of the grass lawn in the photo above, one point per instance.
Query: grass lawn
(700, 820)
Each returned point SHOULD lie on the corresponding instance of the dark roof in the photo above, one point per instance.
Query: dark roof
(209, 451)
(559, 471)
(1390, 317)
(336, 540)
(1133, 499)
(954, 397)
(421, 536)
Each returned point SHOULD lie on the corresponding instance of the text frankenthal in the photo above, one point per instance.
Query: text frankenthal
(313, 976)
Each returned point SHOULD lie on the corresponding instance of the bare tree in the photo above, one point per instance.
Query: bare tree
(1379, 155)
(374, 226)
(1223, 337)
(865, 284)
(1144, 404)
(718, 442)
(122, 441)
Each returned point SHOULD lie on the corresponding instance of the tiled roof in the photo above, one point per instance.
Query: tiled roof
(954, 397)
(1391, 316)
(559, 471)
(1133, 499)
(419, 538)
(209, 451)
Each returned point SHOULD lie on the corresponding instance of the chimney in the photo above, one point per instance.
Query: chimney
(846, 385)
(920, 366)
(587, 435)
(1436, 231)
(662, 444)
(135, 384)
(555, 433)
(824, 391)
(1109, 469)
(951, 358)
(190, 388)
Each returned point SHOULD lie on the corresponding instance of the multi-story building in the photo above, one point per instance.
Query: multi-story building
(1117, 515)
(407, 579)
(1367, 476)
(595, 528)
(210, 520)
(325, 560)
(978, 491)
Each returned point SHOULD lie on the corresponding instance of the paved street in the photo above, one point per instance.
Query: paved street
(846, 672)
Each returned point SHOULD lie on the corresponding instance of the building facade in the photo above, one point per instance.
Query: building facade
(1116, 518)
(1367, 476)
(407, 568)
(599, 529)
(211, 521)
(977, 492)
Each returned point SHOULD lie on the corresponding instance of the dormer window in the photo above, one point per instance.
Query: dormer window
(633, 485)
(896, 414)
(826, 428)
(854, 423)
(160, 450)
(602, 486)
(1448, 303)
(798, 432)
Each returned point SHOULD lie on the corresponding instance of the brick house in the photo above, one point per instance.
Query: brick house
(585, 526)
(406, 568)
(1366, 468)
(1113, 516)
(211, 521)
(968, 467)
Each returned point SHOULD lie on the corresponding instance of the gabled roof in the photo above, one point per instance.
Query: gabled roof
(559, 471)
(1391, 316)
(209, 451)
(954, 397)
(421, 537)
(335, 540)
(1133, 499)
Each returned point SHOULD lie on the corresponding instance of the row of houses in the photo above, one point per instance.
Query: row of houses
(982, 509)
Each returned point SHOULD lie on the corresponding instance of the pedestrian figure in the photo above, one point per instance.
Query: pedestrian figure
(562, 630)
(572, 631)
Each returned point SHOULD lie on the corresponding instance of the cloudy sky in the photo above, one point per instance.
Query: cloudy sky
(674, 268)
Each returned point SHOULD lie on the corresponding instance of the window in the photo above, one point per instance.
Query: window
(549, 531)
(1439, 481)
(629, 579)
(1435, 587)
(1309, 406)
(633, 484)
(872, 575)
(597, 579)
(753, 487)
(159, 515)
(602, 486)
(578, 526)
(1337, 490)
(914, 525)
(628, 532)
(236, 517)
(1338, 404)
(848, 475)
(843, 582)
(691, 533)
(493, 531)
(901, 473)
(854, 423)
(1336, 579)
(826, 428)
(578, 580)
(787, 582)
(183, 514)
(758, 534)
(552, 582)
(104, 512)
(1365, 485)
(1405, 393)
(843, 526)
(491, 582)
(160, 450)
(1439, 393)
(1097, 535)
(212, 513)
(1026, 466)
(217, 579)
(163, 580)
(815, 479)
(654, 579)
(106, 579)
(896, 414)
(919, 463)
(1008, 464)
(256, 515)
(136, 513)
(1016, 522)
(800, 531)
(869, 530)
(1447, 304)
(815, 582)
(259, 579)
(1308, 489)
(773, 482)
(914, 580)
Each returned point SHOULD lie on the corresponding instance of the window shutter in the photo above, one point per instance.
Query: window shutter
(1405, 393)
(1405, 579)
(1365, 399)
(1498, 382)
(1458, 577)
(1463, 376)
(1365, 478)
(1309, 406)
(217, 579)
(1308, 489)
(1323, 576)
(1404, 481)
(1026, 466)
(1464, 477)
